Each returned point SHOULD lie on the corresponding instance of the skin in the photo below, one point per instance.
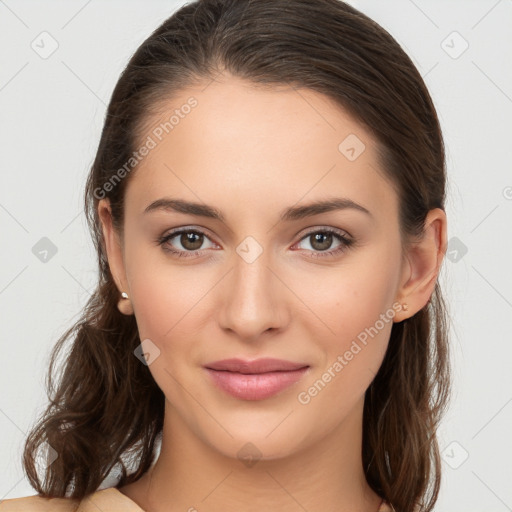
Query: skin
(251, 153)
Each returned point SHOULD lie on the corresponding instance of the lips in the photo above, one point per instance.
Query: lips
(264, 365)
(255, 380)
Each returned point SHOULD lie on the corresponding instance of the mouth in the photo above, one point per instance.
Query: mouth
(255, 380)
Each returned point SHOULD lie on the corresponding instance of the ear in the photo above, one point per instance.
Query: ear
(113, 248)
(422, 263)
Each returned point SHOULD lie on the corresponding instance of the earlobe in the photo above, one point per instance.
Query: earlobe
(112, 247)
(124, 305)
(423, 259)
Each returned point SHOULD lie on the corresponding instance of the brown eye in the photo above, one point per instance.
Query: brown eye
(185, 242)
(191, 240)
(321, 241)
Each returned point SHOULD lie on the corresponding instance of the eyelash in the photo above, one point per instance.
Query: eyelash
(346, 242)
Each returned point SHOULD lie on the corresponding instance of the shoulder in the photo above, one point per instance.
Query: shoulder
(110, 499)
(39, 504)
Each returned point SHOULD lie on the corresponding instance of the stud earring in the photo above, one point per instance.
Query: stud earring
(124, 305)
(405, 307)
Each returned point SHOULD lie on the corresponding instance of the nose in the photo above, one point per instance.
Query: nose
(253, 298)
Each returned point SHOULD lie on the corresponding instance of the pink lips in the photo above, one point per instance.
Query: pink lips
(255, 380)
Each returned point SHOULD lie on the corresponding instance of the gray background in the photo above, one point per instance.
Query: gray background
(52, 108)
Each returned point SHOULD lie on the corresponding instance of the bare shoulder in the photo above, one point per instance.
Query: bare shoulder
(39, 504)
(109, 500)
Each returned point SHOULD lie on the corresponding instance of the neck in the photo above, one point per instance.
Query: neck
(191, 475)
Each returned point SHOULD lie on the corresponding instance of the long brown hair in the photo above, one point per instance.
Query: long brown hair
(106, 409)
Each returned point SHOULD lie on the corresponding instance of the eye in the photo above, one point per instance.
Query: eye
(321, 240)
(190, 240)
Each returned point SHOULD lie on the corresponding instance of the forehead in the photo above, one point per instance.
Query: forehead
(247, 147)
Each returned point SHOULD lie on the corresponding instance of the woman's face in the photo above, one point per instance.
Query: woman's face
(274, 278)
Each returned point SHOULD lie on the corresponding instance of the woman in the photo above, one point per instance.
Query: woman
(267, 203)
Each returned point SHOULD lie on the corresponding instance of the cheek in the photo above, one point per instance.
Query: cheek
(173, 306)
(170, 313)
(167, 299)
(354, 305)
(350, 358)
(349, 299)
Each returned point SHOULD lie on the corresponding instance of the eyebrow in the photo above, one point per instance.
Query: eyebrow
(287, 215)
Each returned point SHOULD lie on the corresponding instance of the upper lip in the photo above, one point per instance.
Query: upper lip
(263, 365)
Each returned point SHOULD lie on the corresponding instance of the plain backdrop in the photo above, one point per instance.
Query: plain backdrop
(59, 63)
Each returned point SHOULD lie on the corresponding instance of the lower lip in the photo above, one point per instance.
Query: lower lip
(256, 386)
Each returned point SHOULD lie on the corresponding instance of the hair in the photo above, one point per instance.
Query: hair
(106, 409)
